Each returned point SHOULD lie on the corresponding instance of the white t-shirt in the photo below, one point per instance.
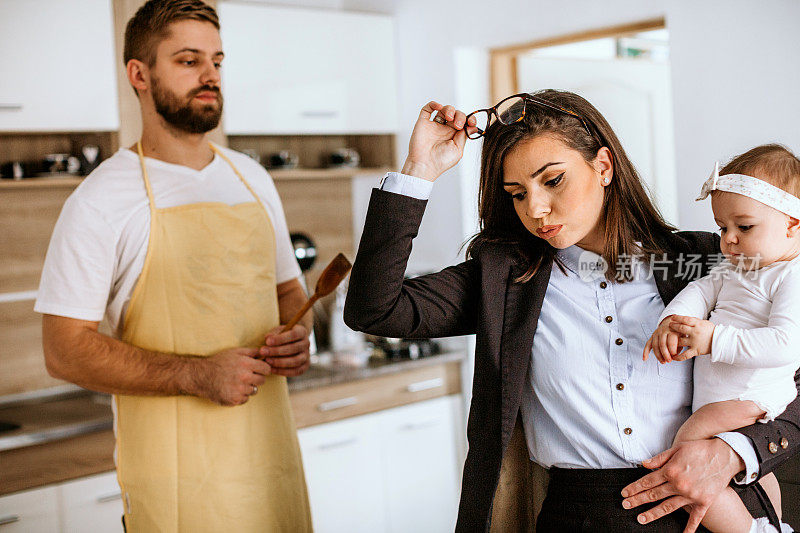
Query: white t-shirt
(99, 243)
(755, 349)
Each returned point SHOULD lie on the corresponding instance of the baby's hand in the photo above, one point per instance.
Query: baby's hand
(695, 334)
(663, 342)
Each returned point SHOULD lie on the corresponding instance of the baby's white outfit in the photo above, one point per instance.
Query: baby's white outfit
(755, 350)
(762, 525)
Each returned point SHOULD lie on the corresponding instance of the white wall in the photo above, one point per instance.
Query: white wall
(431, 35)
(734, 68)
(736, 84)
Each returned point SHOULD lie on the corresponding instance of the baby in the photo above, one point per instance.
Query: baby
(742, 321)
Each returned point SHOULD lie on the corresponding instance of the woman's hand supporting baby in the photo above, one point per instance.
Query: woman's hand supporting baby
(676, 332)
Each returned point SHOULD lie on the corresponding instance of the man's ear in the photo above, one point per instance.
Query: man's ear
(792, 227)
(138, 75)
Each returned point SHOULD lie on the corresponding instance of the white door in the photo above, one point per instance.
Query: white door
(421, 470)
(342, 463)
(295, 71)
(635, 97)
(58, 66)
(32, 511)
(92, 504)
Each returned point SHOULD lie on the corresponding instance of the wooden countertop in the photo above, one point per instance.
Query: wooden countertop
(63, 460)
(323, 376)
(54, 462)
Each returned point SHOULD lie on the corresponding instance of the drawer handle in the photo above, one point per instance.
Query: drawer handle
(319, 114)
(429, 384)
(10, 107)
(24, 296)
(109, 497)
(338, 444)
(337, 404)
(420, 425)
(9, 519)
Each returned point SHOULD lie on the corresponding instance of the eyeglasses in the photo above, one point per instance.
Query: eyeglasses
(512, 109)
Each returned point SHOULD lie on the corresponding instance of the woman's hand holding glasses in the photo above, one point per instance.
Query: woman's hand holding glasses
(437, 142)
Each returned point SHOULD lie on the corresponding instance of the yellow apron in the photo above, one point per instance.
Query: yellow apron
(186, 464)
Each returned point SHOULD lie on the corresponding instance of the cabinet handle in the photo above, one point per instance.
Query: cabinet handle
(10, 107)
(337, 404)
(9, 519)
(109, 497)
(23, 296)
(420, 425)
(429, 384)
(338, 444)
(319, 114)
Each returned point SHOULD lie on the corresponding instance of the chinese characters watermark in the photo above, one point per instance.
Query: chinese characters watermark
(687, 267)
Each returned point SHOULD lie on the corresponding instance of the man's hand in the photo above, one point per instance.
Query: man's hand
(229, 377)
(689, 474)
(695, 334)
(663, 342)
(287, 353)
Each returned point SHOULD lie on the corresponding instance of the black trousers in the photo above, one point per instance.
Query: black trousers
(590, 501)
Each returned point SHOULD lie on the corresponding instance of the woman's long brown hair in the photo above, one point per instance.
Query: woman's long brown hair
(628, 216)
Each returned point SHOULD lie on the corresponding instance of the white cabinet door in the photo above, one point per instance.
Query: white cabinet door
(396, 470)
(296, 71)
(33, 511)
(342, 462)
(91, 504)
(421, 470)
(57, 66)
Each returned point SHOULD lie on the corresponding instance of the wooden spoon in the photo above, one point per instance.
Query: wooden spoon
(330, 278)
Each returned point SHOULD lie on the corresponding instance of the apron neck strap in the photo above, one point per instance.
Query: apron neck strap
(214, 149)
(146, 178)
(236, 170)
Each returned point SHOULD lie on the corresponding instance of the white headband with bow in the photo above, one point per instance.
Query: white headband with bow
(754, 188)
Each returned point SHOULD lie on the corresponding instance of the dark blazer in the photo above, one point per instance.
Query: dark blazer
(479, 296)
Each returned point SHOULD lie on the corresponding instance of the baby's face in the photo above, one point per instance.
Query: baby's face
(753, 235)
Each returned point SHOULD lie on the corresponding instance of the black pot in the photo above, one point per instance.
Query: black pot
(304, 250)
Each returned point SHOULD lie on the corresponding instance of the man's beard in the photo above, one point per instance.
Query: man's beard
(183, 116)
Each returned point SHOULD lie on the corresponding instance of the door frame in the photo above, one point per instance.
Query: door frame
(503, 60)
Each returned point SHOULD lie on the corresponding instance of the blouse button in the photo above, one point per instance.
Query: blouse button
(618, 342)
(603, 284)
(620, 386)
(609, 319)
(628, 431)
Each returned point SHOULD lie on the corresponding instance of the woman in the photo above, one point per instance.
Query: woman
(556, 345)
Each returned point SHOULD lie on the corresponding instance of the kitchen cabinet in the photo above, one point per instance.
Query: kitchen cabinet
(393, 471)
(421, 466)
(65, 79)
(307, 71)
(91, 504)
(30, 511)
(381, 447)
(342, 462)
(88, 504)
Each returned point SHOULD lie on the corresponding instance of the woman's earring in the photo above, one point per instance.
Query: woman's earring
(605, 181)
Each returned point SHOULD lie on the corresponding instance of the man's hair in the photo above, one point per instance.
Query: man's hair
(150, 25)
(772, 163)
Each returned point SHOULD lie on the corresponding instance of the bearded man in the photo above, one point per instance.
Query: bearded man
(182, 245)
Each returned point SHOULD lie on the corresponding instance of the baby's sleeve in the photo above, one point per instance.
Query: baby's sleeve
(699, 297)
(773, 346)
